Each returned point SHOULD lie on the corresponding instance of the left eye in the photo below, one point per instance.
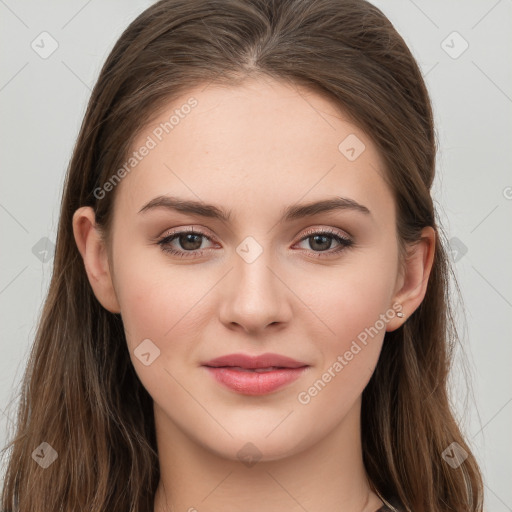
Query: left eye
(322, 241)
(191, 241)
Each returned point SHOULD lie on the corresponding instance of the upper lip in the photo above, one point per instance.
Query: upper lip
(261, 361)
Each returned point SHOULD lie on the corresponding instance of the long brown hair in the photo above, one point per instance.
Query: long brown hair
(80, 393)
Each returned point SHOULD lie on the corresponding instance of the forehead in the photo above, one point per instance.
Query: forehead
(263, 140)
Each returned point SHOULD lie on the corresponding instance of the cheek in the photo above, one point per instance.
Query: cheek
(353, 298)
(354, 306)
(349, 356)
(146, 295)
(158, 305)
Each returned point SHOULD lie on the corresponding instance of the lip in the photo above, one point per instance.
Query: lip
(239, 372)
(251, 362)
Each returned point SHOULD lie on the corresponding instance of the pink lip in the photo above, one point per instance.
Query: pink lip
(262, 361)
(234, 371)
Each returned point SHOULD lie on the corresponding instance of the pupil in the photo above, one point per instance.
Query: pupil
(325, 238)
(187, 241)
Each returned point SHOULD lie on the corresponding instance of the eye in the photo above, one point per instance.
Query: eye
(189, 240)
(320, 241)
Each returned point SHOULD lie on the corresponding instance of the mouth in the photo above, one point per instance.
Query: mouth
(257, 370)
(255, 375)
(265, 361)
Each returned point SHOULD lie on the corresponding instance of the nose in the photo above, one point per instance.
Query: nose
(255, 296)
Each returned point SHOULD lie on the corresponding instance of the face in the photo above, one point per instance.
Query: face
(318, 288)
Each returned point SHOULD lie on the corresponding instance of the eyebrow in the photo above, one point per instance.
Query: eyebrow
(289, 213)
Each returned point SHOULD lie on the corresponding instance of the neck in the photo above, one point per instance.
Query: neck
(327, 476)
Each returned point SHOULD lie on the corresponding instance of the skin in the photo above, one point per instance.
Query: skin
(255, 149)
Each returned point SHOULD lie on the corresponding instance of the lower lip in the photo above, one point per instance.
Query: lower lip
(255, 383)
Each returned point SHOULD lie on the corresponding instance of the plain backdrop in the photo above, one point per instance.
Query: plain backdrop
(463, 48)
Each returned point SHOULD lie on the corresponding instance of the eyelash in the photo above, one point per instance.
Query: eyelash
(343, 241)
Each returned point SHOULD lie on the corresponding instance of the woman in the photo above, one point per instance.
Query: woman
(249, 304)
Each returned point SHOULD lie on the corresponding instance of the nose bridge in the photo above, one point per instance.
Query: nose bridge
(255, 296)
(252, 272)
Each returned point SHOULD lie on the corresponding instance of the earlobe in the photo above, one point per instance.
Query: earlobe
(414, 281)
(94, 254)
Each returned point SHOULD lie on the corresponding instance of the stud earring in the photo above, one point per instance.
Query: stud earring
(400, 314)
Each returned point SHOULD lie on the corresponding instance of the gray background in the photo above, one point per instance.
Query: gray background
(43, 100)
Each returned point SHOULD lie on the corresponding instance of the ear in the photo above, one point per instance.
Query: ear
(94, 253)
(413, 279)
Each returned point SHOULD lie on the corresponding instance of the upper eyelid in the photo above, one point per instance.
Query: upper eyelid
(187, 230)
(329, 230)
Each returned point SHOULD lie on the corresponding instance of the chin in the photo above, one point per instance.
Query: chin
(256, 446)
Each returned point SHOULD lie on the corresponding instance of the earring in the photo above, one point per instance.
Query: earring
(400, 314)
